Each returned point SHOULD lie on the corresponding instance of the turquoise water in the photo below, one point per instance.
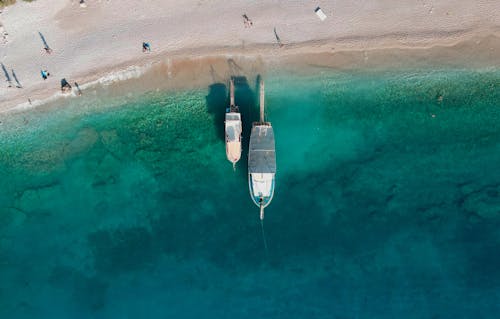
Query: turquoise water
(387, 203)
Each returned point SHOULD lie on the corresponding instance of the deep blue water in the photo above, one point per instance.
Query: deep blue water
(387, 202)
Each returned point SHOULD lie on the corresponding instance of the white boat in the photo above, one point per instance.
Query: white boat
(233, 129)
(261, 160)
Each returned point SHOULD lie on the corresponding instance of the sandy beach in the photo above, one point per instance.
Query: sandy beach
(193, 42)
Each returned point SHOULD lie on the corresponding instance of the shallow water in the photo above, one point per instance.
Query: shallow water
(386, 206)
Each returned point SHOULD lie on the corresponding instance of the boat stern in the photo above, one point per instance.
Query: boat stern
(233, 151)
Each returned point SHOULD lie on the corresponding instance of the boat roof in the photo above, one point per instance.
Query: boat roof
(262, 154)
(233, 116)
(231, 133)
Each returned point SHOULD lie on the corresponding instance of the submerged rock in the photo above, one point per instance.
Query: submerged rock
(11, 217)
(115, 144)
(107, 171)
(83, 141)
(28, 199)
(121, 250)
(485, 202)
(44, 197)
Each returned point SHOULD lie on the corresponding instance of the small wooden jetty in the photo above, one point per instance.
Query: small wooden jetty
(262, 160)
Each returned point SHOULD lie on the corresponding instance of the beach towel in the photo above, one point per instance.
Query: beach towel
(320, 14)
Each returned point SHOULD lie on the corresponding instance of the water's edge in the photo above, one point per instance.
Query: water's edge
(386, 202)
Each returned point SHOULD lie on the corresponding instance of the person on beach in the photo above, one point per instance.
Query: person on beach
(65, 86)
(3, 34)
(45, 74)
(278, 38)
(246, 21)
(146, 47)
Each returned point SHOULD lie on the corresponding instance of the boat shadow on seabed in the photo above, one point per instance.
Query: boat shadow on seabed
(218, 100)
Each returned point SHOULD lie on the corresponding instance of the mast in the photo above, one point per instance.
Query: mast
(261, 101)
(231, 89)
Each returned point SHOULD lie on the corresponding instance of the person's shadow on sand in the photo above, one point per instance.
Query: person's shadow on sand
(18, 84)
(7, 75)
(45, 44)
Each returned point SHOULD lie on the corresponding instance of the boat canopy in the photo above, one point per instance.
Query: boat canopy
(261, 154)
(231, 133)
(233, 127)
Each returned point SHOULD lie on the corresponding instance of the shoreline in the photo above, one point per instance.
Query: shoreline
(98, 45)
(190, 68)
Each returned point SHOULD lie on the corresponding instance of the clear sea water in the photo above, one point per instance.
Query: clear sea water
(387, 202)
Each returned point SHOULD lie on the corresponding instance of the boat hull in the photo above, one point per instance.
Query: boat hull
(233, 130)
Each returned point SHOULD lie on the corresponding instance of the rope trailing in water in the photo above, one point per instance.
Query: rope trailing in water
(264, 237)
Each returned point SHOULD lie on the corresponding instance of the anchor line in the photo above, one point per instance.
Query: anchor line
(264, 238)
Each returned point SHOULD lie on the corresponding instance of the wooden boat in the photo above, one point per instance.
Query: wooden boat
(233, 129)
(261, 160)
